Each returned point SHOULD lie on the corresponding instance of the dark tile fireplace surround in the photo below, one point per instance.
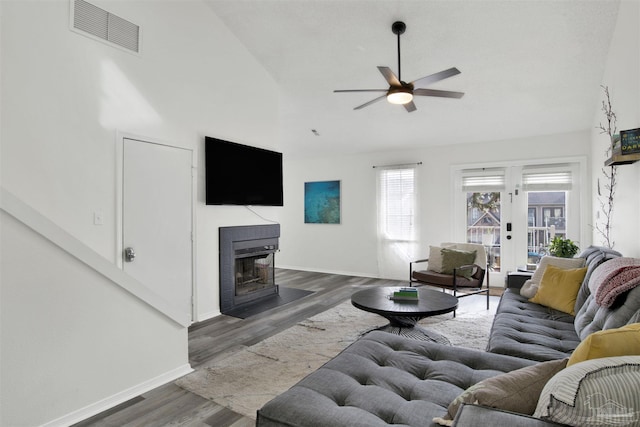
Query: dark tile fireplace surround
(247, 264)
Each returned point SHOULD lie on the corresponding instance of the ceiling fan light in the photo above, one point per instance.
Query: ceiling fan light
(400, 97)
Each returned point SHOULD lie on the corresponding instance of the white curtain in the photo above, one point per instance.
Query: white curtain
(397, 197)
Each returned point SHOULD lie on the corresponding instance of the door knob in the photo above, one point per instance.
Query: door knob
(129, 254)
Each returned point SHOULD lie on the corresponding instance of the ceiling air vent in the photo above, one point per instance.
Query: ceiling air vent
(90, 19)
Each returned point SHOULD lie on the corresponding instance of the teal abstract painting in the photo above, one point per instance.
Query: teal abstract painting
(322, 202)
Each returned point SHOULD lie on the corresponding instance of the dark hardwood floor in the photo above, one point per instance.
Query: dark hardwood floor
(218, 337)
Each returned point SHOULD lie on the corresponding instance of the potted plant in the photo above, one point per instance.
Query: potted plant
(563, 248)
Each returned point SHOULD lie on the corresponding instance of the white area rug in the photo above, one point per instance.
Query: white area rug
(248, 379)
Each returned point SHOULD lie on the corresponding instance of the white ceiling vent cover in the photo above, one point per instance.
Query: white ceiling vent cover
(98, 23)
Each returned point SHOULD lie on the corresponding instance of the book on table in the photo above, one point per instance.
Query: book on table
(405, 294)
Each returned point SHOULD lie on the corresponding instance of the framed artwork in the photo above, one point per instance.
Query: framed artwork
(322, 202)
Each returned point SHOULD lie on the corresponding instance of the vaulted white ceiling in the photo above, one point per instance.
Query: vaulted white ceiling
(528, 67)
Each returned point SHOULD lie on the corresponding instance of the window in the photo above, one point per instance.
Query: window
(397, 214)
(397, 202)
(481, 188)
(531, 215)
(547, 188)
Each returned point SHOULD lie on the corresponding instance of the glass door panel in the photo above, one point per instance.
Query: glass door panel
(483, 224)
(546, 219)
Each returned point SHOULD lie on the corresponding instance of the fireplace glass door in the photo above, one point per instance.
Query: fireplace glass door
(254, 273)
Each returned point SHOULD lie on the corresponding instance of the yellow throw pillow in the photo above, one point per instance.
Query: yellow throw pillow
(559, 288)
(623, 341)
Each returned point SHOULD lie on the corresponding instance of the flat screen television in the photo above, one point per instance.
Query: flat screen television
(238, 174)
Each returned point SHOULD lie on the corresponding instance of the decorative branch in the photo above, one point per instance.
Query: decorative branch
(606, 203)
(611, 128)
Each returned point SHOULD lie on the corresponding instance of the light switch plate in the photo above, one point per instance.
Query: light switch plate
(98, 218)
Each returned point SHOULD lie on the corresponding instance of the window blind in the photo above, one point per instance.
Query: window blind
(483, 180)
(560, 180)
(397, 201)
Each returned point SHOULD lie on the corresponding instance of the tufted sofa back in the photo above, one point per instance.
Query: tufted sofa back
(590, 317)
(594, 256)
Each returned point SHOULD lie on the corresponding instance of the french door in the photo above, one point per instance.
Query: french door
(516, 210)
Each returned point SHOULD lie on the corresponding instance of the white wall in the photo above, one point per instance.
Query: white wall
(351, 246)
(64, 98)
(622, 76)
(70, 338)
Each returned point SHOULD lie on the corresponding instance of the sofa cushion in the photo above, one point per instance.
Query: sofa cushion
(594, 256)
(453, 259)
(435, 259)
(530, 287)
(475, 415)
(435, 254)
(481, 253)
(531, 331)
(593, 318)
(598, 392)
(384, 379)
(624, 341)
(558, 288)
(441, 279)
(516, 391)
(559, 262)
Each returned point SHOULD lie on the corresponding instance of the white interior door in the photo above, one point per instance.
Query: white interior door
(157, 219)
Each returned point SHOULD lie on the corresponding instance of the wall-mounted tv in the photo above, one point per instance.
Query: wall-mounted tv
(238, 174)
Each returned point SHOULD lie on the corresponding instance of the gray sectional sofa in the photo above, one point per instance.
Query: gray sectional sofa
(535, 332)
(383, 379)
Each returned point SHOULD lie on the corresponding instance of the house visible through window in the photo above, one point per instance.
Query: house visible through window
(547, 190)
(482, 189)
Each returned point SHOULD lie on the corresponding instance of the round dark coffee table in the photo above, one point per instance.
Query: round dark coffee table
(403, 316)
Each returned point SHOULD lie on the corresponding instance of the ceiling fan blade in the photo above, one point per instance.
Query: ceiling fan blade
(360, 90)
(435, 77)
(410, 106)
(371, 102)
(439, 93)
(389, 76)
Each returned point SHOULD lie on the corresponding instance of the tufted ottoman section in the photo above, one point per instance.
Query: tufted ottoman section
(384, 379)
(532, 331)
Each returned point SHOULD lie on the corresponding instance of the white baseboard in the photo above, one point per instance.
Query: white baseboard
(320, 270)
(208, 315)
(118, 398)
(348, 273)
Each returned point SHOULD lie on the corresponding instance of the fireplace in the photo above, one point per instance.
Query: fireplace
(247, 255)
